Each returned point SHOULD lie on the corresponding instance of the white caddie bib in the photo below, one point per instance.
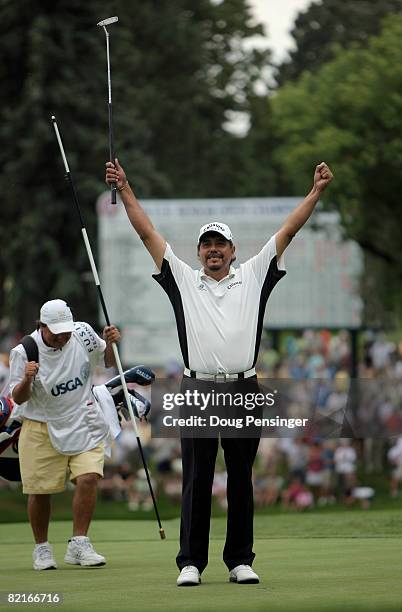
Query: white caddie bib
(62, 391)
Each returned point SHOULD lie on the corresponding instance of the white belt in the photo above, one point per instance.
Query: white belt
(220, 377)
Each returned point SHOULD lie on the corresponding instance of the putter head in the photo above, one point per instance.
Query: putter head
(107, 22)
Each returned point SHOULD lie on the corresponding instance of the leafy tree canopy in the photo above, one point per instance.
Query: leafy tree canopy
(178, 68)
(348, 114)
(332, 22)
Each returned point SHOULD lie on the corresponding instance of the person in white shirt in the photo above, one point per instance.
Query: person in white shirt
(345, 459)
(63, 430)
(219, 314)
(394, 456)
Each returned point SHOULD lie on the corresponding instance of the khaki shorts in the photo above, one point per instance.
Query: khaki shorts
(43, 469)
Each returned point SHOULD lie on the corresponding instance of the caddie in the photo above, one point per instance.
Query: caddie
(63, 429)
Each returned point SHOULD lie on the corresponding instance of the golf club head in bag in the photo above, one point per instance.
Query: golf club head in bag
(140, 405)
(9, 433)
(139, 375)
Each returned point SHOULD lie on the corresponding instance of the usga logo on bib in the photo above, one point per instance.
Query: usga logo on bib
(64, 387)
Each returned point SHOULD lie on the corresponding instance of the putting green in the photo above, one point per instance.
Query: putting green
(337, 561)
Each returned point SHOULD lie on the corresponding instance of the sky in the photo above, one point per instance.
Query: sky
(278, 17)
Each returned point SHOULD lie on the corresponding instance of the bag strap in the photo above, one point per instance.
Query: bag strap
(31, 348)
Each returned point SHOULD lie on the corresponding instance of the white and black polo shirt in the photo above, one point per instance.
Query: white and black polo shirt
(219, 323)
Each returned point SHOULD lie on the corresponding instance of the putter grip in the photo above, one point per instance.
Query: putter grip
(113, 192)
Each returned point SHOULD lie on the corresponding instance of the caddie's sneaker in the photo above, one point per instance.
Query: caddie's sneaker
(81, 552)
(189, 576)
(43, 557)
(243, 574)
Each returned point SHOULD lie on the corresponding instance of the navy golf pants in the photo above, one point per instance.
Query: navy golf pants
(198, 457)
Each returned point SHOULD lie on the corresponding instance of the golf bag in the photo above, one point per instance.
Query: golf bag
(9, 433)
(10, 427)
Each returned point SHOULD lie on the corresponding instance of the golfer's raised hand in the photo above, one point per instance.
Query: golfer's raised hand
(111, 334)
(115, 174)
(31, 370)
(322, 176)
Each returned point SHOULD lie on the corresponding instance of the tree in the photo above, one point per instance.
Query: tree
(259, 174)
(194, 70)
(328, 23)
(43, 71)
(348, 113)
(178, 68)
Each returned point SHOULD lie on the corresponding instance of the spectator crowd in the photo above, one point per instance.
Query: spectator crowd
(304, 468)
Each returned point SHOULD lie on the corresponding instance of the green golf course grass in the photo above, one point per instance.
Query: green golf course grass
(307, 562)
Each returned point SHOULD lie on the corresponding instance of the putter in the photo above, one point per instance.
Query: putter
(112, 153)
(106, 315)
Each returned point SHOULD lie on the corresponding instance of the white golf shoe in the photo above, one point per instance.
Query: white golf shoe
(243, 574)
(43, 557)
(189, 576)
(81, 552)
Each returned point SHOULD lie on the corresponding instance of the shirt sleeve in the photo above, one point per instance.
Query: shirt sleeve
(18, 362)
(171, 278)
(265, 264)
(173, 270)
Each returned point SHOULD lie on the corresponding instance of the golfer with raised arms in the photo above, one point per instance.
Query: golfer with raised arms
(219, 312)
